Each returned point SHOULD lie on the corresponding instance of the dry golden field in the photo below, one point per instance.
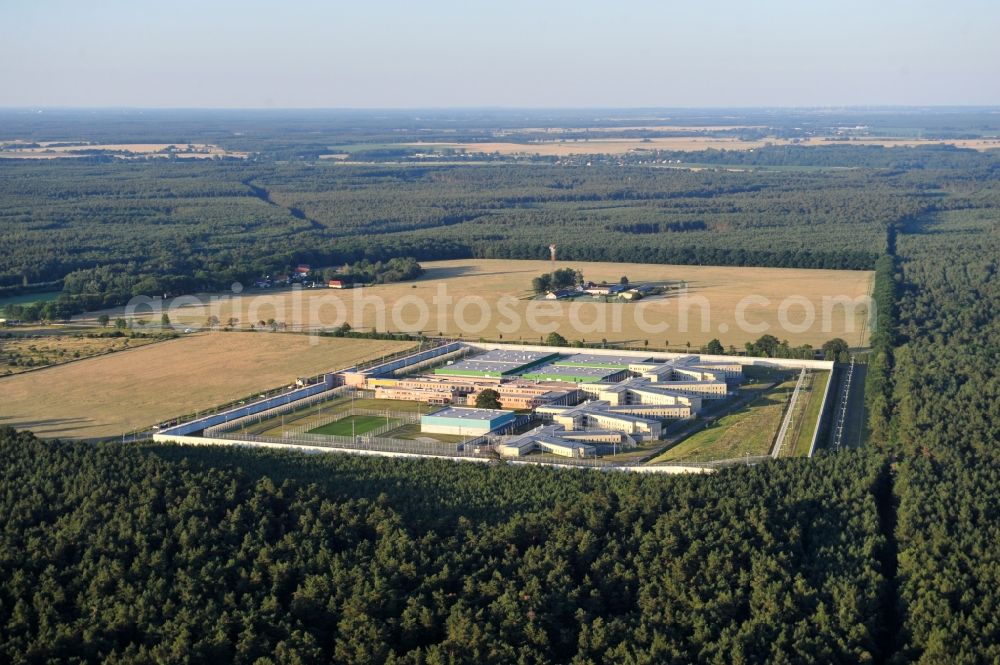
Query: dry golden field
(23, 353)
(975, 144)
(633, 128)
(490, 298)
(606, 146)
(120, 392)
(200, 150)
(610, 146)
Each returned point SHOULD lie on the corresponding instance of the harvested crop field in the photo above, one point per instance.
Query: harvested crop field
(603, 146)
(24, 353)
(491, 298)
(128, 390)
(612, 146)
(181, 150)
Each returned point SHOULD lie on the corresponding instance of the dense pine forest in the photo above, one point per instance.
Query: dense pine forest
(123, 554)
(118, 553)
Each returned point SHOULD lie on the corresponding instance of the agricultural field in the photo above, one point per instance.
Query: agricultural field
(606, 146)
(48, 150)
(105, 396)
(491, 299)
(616, 146)
(22, 353)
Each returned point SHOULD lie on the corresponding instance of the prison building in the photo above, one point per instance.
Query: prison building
(706, 389)
(458, 385)
(660, 411)
(576, 374)
(598, 360)
(464, 421)
(429, 395)
(696, 373)
(641, 391)
(598, 436)
(549, 439)
(497, 363)
(597, 414)
(523, 395)
(732, 370)
(688, 367)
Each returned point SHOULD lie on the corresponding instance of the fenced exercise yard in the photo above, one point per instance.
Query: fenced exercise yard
(474, 448)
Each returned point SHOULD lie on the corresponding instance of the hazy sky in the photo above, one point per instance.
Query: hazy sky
(543, 53)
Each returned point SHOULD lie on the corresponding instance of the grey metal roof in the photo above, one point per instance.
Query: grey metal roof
(469, 413)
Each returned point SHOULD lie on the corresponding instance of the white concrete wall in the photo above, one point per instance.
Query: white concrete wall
(466, 430)
(791, 363)
(201, 441)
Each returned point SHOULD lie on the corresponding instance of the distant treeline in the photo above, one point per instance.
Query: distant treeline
(843, 154)
(111, 229)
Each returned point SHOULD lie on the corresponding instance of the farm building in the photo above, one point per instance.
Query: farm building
(466, 422)
(605, 289)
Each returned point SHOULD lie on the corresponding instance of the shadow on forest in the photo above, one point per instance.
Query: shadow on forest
(412, 489)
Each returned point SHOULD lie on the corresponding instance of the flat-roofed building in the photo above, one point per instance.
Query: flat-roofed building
(598, 360)
(496, 363)
(464, 421)
(575, 373)
(524, 400)
(706, 389)
(599, 414)
(688, 368)
(732, 369)
(429, 396)
(642, 391)
(660, 411)
(555, 440)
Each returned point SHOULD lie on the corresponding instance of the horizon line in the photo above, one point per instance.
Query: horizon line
(820, 107)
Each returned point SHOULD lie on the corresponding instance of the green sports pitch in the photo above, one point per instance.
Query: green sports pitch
(353, 425)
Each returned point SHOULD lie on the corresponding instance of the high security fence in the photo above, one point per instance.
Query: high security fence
(394, 420)
(236, 422)
(371, 444)
(779, 442)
